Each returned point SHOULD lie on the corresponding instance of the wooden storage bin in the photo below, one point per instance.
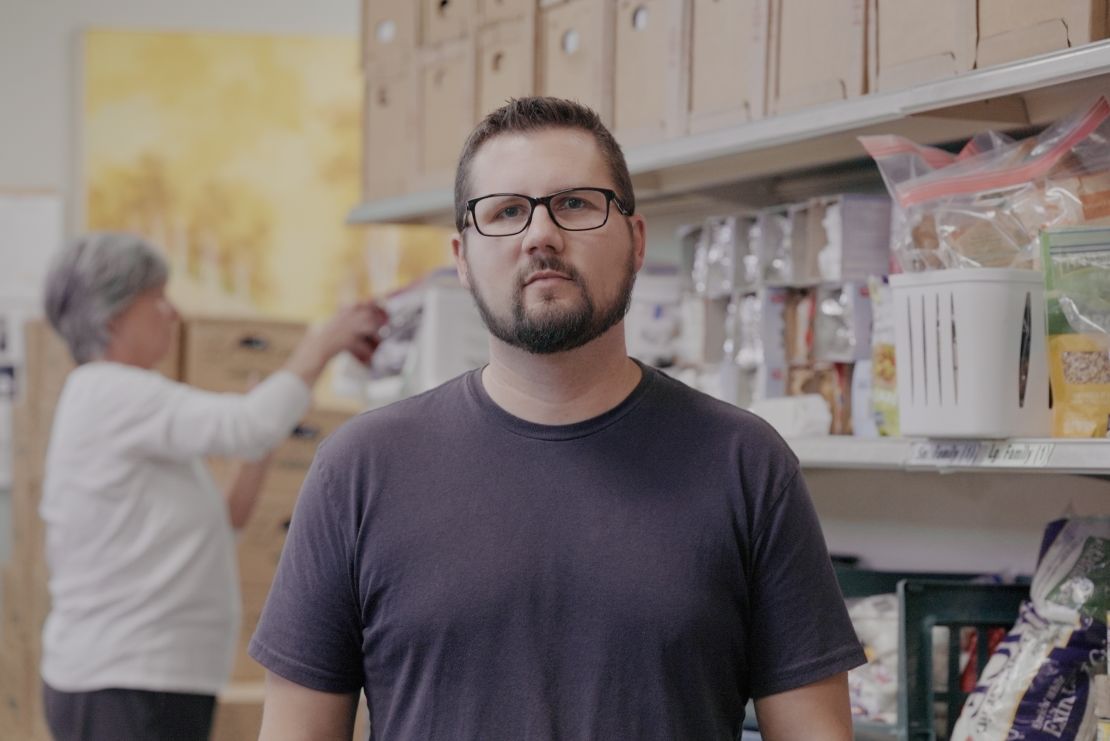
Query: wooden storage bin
(389, 151)
(495, 11)
(506, 63)
(446, 20)
(729, 47)
(231, 354)
(916, 41)
(1015, 29)
(818, 52)
(649, 61)
(576, 53)
(446, 111)
(389, 31)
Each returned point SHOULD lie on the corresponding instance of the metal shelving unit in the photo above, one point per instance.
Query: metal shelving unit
(1017, 96)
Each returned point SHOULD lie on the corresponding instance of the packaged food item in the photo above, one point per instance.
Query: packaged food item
(772, 332)
(780, 241)
(1039, 684)
(849, 238)
(987, 209)
(842, 323)
(884, 376)
(1077, 298)
(833, 384)
(801, 310)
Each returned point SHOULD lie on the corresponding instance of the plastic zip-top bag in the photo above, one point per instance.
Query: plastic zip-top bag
(987, 208)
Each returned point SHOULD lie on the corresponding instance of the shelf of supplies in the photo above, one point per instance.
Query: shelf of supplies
(1016, 96)
(1047, 455)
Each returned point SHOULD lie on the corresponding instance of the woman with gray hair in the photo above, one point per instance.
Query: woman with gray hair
(145, 605)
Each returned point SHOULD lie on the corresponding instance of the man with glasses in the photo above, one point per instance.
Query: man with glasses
(564, 544)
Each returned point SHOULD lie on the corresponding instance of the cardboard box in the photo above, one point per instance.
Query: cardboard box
(916, 41)
(232, 354)
(389, 148)
(1015, 29)
(389, 33)
(848, 239)
(818, 52)
(446, 99)
(576, 53)
(649, 78)
(495, 11)
(729, 48)
(506, 63)
(446, 20)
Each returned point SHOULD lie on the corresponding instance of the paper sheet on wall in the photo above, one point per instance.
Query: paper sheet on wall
(31, 225)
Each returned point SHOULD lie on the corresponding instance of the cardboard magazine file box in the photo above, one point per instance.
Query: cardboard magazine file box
(506, 63)
(495, 11)
(914, 41)
(1010, 30)
(649, 79)
(446, 20)
(818, 53)
(728, 52)
(576, 53)
(389, 33)
(446, 101)
(389, 147)
(223, 354)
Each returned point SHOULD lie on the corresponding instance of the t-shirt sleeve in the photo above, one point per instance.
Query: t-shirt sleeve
(178, 421)
(800, 630)
(310, 630)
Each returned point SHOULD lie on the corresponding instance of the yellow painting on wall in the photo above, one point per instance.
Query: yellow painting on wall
(240, 156)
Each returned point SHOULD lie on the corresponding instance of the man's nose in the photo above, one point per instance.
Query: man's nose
(543, 233)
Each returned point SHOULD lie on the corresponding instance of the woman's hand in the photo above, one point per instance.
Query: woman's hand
(353, 328)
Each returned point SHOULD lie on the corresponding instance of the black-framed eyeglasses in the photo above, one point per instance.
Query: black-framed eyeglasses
(573, 210)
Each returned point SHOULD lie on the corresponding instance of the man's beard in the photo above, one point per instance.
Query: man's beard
(553, 330)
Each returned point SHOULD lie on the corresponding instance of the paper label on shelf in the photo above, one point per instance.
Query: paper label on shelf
(1017, 455)
(944, 453)
(978, 453)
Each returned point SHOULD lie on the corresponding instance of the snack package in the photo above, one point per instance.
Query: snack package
(779, 237)
(1077, 297)
(987, 209)
(884, 377)
(842, 324)
(1038, 685)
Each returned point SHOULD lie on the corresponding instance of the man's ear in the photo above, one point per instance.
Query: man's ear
(458, 251)
(638, 228)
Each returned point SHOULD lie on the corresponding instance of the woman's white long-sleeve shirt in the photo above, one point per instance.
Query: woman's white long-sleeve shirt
(143, 579)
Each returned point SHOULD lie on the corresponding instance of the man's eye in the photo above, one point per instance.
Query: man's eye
(510, 212)
(574, 204)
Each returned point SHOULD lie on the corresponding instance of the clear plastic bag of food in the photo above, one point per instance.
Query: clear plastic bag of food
(1077, 297)
(987, 209)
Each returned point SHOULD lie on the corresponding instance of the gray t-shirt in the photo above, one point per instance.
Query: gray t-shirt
(638, 575)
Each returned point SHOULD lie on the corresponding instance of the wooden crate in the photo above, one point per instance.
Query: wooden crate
(389, 147)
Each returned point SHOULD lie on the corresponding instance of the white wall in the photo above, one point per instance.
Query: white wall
(40, 79)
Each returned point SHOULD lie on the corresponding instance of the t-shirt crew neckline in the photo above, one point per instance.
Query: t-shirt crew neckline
(586, 427)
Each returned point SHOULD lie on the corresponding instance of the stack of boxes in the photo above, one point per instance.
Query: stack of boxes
(659, 69)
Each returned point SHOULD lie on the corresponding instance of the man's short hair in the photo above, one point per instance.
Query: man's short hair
(521, 115)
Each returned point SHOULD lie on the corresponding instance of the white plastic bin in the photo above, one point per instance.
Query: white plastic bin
(970, 353)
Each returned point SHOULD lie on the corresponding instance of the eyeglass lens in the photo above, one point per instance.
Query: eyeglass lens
(503, 215)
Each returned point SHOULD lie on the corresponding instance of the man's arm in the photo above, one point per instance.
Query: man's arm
(296, 713)
(815, 712)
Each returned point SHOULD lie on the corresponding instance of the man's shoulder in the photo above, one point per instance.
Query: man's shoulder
(409, 419)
